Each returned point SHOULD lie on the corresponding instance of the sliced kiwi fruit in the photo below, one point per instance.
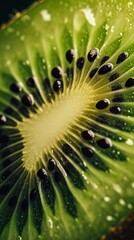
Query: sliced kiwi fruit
(67, 120)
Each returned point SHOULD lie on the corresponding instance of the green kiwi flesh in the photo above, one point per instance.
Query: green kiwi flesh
(67, 120)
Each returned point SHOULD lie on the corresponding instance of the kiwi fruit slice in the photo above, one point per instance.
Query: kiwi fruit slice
(67, 120)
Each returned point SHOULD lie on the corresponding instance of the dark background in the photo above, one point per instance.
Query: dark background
(8, 8)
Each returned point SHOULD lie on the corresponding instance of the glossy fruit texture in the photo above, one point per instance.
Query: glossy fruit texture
(67, 120)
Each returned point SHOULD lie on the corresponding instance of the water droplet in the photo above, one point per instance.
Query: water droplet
(95, 186)
(81, 16)
(46, 15)
(118, 153)
(106, 27)
(19, 238)
(66, 20)
(122, 202)
(26, 17)
(129, 142)
(10, 29)
(109, 14)
(50, 222)
(129, 206)
(71, 9)
(8, 62)
(117, 188)
(8, 47)
(22, 38)
(109, 218)
(84, 176)
(27, 62)
(112, 29)
(106, 199)
(129, 4)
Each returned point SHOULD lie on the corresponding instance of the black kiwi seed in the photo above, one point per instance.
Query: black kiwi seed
(16, 87)
(57, 72)
(93, 72)
(2, 119)
(87, 152)
(87, 135)
(80, 63)
(6, 174)
(33, 194)
(6, 163)
(105, 68)
(57, 176)
(70, 72)
(3, 138)
(46, 183)
(113, 76)
(58, 86)
(129, 82)
(8, 110)
(24, 111)
(118, 99)
(4, 189)
(28, 100)
(46, 83)
(12, 202)
(51, 164)
(14, 101)
(116, 87)
(6, 153)
(122, 57)
(31, 82)
(70, 54)
(92, 55)
(102, 104)
(66, 148)
(104, 143)
(42, 174)
(24, 205)
(104, 59)
(115, 109)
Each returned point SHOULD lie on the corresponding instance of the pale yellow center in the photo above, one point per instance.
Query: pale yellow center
(43, 130)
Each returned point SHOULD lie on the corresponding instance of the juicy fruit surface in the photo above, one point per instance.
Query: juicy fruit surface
(66, 120)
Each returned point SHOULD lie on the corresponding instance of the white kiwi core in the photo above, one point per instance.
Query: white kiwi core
(43, 130)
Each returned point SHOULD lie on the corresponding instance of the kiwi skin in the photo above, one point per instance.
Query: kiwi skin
(123, 231)
(50, 196)
(14, 10)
